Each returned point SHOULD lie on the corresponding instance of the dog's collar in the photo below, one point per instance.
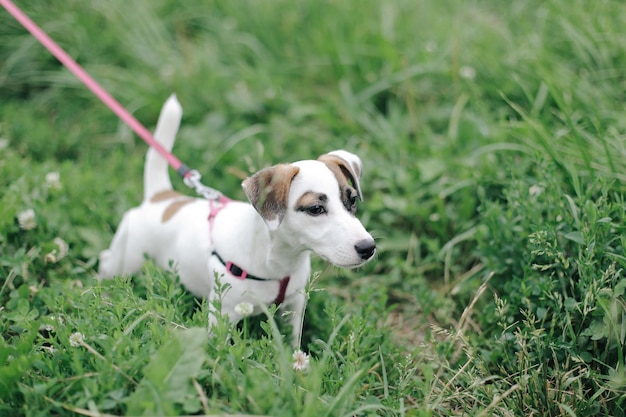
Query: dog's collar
(242, 274)
(233, 269)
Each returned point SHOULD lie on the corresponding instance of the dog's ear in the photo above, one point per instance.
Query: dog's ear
(268, 191)
(346, 166)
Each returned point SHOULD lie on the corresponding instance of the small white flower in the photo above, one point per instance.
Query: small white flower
(50, 349)
(301, 361)
(76, 339)
(435, 217)
(46, 327)
(53, 180)
(244, 309)
(467, 72)
(64, 248)
(51, 257)
(57, 255)
(535, 190)
(26, 219)
(431, 46)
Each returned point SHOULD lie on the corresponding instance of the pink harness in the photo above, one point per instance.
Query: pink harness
(191, 177)
(214, 210)
(232, 268)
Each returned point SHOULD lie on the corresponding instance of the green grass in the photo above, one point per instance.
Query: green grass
(493, 141)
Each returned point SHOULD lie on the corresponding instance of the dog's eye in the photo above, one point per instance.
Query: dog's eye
(351, 201)
(316, 210)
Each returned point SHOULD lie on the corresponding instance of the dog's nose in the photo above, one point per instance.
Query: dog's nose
(365, 248)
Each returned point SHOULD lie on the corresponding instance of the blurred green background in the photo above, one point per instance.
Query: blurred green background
(492, 137)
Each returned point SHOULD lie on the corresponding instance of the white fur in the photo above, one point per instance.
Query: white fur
(271, 248)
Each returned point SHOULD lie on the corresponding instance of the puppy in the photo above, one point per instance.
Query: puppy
(261, 249)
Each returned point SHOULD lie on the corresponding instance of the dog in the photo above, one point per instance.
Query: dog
(261, 249)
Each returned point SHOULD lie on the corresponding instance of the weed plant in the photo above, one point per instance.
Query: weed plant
(492, 136)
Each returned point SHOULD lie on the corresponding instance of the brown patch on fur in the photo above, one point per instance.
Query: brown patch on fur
(334, 163)
(309, 199)
(268, 190)
(174, 207)
(344, 171)
(165, 195)
(181, 200)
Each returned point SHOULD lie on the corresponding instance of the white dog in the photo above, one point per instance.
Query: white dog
(262, 250)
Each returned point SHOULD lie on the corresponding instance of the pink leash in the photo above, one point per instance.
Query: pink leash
(192, 177)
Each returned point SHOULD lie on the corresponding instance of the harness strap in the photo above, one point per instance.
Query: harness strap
(232, 268)
(236, 271)
(242, 274)
(214, 210)
(282, 290)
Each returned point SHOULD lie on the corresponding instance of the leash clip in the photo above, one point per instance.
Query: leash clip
(192, 180)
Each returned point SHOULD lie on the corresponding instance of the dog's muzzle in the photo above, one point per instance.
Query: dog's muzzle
(365, 248)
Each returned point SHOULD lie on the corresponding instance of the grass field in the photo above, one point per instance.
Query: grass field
(493, 137)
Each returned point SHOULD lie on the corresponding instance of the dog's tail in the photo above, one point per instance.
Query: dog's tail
(156, 177)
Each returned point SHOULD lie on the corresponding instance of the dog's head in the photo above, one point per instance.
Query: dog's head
(312, 204)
